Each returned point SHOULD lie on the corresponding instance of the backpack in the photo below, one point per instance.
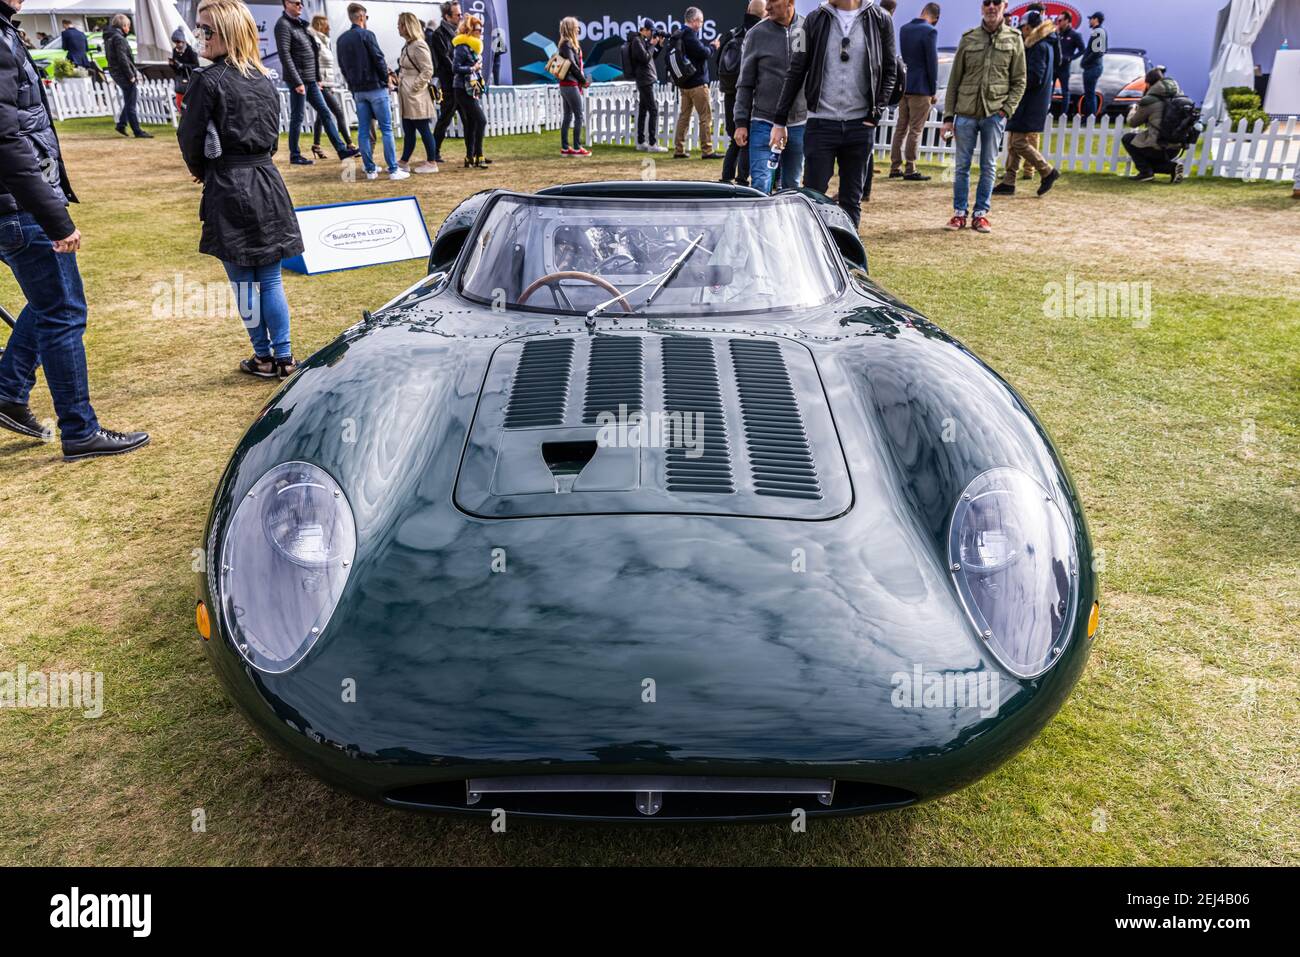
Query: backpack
(729, 59)
(1181, 124)
(680, 68)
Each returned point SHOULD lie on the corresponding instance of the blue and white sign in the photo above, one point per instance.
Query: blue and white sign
(350, 235)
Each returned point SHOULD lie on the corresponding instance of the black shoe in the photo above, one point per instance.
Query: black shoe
(1049, 181)
(103, 442)
(898, 175)
(348, 153)
(681, 156)
(142, 135)
(263, 368)
(1003, 189)
(19, 418)
(713, 156)
(317, 152)
(1177, 175)
(1144, 177)
(438, 159)
(916, 178)
(121, 130)
(300, 161)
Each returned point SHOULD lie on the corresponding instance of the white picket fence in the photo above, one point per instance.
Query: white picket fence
(1260, 152)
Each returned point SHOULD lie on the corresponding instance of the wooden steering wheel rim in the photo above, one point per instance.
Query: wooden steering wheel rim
(546, 280)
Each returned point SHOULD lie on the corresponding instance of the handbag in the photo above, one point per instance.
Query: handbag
(558, 66)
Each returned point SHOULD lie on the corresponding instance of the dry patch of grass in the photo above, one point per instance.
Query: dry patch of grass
(1178, 746)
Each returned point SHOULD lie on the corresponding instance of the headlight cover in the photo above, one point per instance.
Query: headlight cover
(287, 553)
(1014, 559)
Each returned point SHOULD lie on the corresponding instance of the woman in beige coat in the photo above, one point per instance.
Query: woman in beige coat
(414, 74)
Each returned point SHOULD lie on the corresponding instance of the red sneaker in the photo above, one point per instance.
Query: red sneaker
(956, 223)
(568, 152)
(982, 225)
(581, 151)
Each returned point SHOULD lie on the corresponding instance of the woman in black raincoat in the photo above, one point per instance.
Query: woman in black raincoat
(228, 132)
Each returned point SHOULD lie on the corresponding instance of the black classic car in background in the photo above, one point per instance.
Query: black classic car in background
(647, 503)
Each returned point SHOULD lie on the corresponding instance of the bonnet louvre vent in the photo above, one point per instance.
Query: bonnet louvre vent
(691, 389)
(780, 458)
(614, 377)
(540, 391)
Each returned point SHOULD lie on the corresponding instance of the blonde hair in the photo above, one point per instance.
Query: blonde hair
(317, 20)
(409, 26)
(234, 23)
(469, 24)
(569, 30)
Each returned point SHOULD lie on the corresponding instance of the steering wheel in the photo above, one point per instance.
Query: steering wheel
(555, 277)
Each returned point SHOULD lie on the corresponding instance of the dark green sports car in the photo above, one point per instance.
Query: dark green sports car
(647, 503)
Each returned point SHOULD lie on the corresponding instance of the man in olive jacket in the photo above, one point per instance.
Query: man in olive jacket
(1150, 154)
(985, 87)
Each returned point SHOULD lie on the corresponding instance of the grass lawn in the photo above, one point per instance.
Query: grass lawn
(1179, 745)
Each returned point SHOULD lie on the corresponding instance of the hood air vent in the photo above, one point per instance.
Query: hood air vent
(541, 385)
(780, 458)
(691, 390)
(614, 378)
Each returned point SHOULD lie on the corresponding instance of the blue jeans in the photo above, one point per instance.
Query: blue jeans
(760, 176)
(1090, 102)
(49, 329)
(263, 307)
(297, 105)
(374, 105)
(989, 132)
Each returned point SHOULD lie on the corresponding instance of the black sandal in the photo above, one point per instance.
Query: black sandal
(285, 367)
(317, 152)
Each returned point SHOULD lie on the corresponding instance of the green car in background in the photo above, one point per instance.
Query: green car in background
(52, 52)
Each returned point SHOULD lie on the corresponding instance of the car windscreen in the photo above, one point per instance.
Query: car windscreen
(711, 257)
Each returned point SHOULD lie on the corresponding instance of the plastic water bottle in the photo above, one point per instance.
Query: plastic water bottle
(773, 164)
(1286, 44)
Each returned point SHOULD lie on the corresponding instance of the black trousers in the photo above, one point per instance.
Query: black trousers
(129, 117)
(647, 115)
(735, 164)
(831, 143)
(446, 113)
(1150, 159)
(474, 120)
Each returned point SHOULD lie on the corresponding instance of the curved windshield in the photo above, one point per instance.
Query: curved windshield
(618, 257)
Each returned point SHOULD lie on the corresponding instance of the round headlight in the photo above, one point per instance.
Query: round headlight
(286, 557)
(1014, 560)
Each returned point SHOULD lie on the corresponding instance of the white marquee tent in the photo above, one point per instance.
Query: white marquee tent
(1249, 30)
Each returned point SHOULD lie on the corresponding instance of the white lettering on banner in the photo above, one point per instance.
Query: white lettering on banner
(606, 27)
(362, 234)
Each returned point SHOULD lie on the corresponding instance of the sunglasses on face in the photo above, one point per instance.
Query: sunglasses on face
(992, 3)
(207, 31)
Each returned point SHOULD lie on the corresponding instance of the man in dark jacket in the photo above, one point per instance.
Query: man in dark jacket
(918, 41)
(440, 48)
(121, 67)
(694, 89)
(1151, 154)
(363, 65)
(845, 65)
(1026, 124)
(1094, 62)
(735, 163)
(300, 70)
(76, 46)
(1070, 45)
(34, 198)
(762, 75)
(642, 47)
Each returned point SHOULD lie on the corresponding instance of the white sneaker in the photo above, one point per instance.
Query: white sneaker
(373, 174)
(656, 149)
(399, 174)
(642, 148)
(425, 168)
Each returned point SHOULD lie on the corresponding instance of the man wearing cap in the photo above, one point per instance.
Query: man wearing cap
(1093, 61)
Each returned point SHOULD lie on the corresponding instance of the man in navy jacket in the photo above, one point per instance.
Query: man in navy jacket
(918, 43)
(75, 46)
(1070, 45)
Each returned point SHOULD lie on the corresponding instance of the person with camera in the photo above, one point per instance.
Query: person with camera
(764, 63)
(690, 56)
(39, 242)
(642, 47)
(843, 59)
(1152, 155)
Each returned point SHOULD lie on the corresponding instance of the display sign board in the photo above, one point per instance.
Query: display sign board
(352, 235)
